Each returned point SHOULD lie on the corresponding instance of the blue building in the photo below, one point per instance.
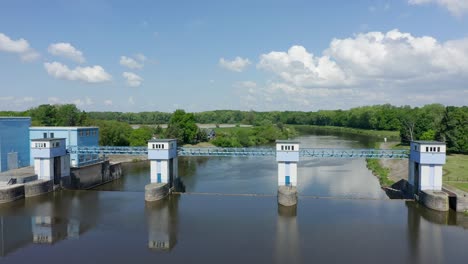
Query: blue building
(74, 136)
(14, 142)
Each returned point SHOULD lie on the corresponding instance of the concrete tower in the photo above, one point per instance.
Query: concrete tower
(51, 161)
(425, 165)
(162, 154)
(287, 156)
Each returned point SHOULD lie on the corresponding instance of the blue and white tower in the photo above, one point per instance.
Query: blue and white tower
(51, 160)
(162, 154)
(287, 156)
(425, 165)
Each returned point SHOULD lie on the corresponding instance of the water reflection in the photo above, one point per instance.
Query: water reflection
(162, 221)
(19, 231)
(287, 236)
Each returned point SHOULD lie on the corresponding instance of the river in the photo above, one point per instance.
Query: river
(231, 216)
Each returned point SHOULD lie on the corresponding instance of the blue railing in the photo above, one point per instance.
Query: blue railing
(248, 152)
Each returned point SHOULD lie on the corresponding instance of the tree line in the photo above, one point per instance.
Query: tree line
(430, 122)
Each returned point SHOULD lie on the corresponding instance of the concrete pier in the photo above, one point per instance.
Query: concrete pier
(156, 191)
(435, 200)
(10, 193)
(287, 195)
(38, 187)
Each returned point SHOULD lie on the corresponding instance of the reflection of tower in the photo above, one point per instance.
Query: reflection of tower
(162, 219)
(48, 230)
(425, 234)
(287, 235)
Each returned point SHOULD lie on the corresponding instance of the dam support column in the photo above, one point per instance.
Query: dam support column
(425, 173)
(287, 156)
(162, 154)
(51, 163)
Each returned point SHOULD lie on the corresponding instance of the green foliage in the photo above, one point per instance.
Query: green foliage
(428, 135)
(454, 129)
(264, 134)
(379, 171)
(183, 127)
(140, 136)
(58, 115)
(113, 133)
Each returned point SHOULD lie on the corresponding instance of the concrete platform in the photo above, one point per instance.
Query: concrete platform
(10, 193)
(435, 200)
(458, 199)
(156, 191)
(287, 195)
(22, 175)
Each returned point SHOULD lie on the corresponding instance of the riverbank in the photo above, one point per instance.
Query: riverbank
(390, 135)
(388, 171)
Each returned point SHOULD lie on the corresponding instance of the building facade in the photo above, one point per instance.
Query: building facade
(74, 136)
(14, 142)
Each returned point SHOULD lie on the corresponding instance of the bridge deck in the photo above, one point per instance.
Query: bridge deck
(249, 152)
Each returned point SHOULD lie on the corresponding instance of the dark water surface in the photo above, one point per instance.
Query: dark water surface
(114, 225)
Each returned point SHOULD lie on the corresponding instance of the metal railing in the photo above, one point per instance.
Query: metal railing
(247, 152)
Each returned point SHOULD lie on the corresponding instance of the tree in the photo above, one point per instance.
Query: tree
(140, 136)
(183, 127)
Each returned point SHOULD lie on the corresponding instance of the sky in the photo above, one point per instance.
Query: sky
(134, 56)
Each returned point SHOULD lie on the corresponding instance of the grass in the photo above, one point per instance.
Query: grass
(390, 135)
(380, 172)
(456, 171)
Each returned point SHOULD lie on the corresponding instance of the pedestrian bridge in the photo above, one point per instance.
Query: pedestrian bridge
(248, 152)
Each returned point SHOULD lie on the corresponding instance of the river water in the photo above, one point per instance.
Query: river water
(230, 215)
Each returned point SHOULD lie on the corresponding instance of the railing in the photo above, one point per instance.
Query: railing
(355, 153)
(248, 152)
(227, 152)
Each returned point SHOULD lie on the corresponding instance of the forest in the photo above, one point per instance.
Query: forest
(429, 122)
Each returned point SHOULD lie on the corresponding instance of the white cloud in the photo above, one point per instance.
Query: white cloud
(374, 67)
(370, 57)
(94, 74)
(130, 63)
(66, 50)
(133, 80)
(108, 102)
(456, 7)
(140, 57)
(237, 65)
(20, 47)
(131, 100)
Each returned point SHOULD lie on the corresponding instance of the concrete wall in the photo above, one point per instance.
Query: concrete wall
(14, 138)
(431, 177)
(92, 175)
(159, 166)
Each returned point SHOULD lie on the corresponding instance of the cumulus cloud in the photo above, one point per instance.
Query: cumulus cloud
(130, 62)
(374, 67)
(237, 65)
(133, 80)
(108, 102)
(66, 50)
(392, 57)
(20, 47)
(94, 74)
(456, 7)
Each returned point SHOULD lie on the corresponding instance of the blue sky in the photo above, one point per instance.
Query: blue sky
(250, 55)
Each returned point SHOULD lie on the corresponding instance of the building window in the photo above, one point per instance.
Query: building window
(427, 149)
(52, 135)
(45, 135)
(438, 149)
(87, 133)
(292, 147)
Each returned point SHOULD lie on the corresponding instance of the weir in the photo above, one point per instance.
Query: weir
(52, 164)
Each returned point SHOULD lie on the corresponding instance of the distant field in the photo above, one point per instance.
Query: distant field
(199, 125)
(456, 171)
